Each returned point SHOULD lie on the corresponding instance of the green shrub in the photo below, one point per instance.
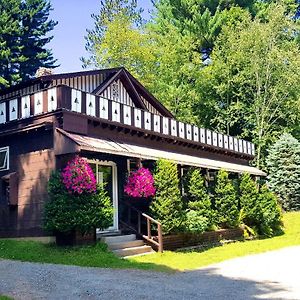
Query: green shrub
(261, 211)
(249, 201)
(166, 206)
(195, 222)
(226, 203)
(283, 163)
(271, 213)
(199, 199)
(65, 212)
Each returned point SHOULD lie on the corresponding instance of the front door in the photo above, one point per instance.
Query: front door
(106, 173)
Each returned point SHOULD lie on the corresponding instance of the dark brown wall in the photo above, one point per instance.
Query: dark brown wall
(32, 157)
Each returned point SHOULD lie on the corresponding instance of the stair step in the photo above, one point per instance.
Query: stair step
(119, 239)
(133, 251)
(103, 234)
(129, 244)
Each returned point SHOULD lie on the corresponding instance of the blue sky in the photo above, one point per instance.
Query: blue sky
(74, 17)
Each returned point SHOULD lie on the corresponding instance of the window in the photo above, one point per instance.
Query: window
(4, 158)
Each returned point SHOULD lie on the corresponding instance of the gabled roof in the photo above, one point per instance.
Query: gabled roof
(134, 88)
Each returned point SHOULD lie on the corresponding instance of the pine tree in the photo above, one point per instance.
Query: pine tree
(24, 29)
(167, 204)
(226, 202)
(35, 29)
(125, 11)
(199, 199)
(249, 201)
(10, 33)
(271, 222)
(283, 164)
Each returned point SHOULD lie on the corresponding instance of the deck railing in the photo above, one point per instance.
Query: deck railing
(97, 106)
(136, 226)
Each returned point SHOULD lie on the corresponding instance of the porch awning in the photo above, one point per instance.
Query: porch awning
(129, 150)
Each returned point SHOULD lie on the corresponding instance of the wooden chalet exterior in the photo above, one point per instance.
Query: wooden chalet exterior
(106, 116)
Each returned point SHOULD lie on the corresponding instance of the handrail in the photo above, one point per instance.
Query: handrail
(149, 220)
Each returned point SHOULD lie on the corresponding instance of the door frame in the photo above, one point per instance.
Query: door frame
(115, 200)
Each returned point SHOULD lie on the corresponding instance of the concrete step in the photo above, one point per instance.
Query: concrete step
(118, 239)
(133, 251)
(103, 234)
(115, 246)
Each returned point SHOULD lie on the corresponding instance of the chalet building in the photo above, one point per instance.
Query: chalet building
(106, 116)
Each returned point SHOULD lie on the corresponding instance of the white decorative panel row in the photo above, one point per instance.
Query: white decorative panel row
(25, 107)
(137, 118)
(90, 105)
(147, 120)
(156, 125)
(13, 109)
(76, 101)
(103, 108)
(2, 112)
(127, 114)
(252, 149)
(52, 99)
(116, 111)
(38, 103)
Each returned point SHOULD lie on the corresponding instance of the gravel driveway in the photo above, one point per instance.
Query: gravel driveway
(272, 275)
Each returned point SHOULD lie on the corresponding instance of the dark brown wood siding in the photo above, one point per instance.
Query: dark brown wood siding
(32, 158)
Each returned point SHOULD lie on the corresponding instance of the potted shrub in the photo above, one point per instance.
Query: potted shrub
(77, 205)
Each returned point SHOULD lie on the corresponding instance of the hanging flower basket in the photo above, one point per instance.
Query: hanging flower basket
(140, 184)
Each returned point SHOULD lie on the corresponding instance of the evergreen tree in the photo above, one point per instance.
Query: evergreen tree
(34, 37)
(125, 11)
(199, 199)
(271, 222)
(10, 33)
(166, 206)
(283, 164)
(226, 202)
(249, 201)
(24, 33)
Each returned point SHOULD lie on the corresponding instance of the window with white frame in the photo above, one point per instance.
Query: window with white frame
(4, 158)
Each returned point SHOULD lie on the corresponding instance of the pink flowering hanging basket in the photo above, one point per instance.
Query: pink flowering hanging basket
(140, 184)
(78, 177)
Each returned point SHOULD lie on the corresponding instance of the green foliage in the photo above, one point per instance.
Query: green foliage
(166, 206)
(271, 212)
(199, 199)
(249, 201)
(226, 202)
(65, 212)
(260, 207)
(196, 222)
(283, 163)
(24, 33)
(251, 87)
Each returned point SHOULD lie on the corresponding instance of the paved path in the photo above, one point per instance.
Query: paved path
(272, 275)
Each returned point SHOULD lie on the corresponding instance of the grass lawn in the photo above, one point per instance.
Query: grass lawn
(99, 256)
(88, 256)
(193, 259)
(5, 297)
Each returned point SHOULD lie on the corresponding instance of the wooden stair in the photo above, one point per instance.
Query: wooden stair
(126, 245)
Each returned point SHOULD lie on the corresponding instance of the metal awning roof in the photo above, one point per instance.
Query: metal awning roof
(129, 150)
